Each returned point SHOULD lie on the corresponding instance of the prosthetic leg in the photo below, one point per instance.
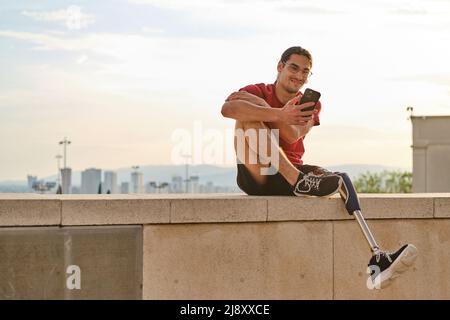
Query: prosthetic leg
(350, 198)
(383, 266)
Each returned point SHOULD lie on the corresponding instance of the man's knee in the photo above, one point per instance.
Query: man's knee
(253, 125)
(254, 144)
(255, 172)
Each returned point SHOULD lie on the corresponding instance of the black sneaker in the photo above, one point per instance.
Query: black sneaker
(385, 267)
(317, 183)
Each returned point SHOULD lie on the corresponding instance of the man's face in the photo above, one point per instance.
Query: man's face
(293, 74)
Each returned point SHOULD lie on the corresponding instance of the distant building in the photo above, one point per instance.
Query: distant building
(66, 180)
(164, 187)
(125, 187)
(431, 153)
(31, 181)
(193, 186)
(177, 185)
(209, 187)
(76, 190)
(110, 182)
(137, 182)
(91, 181)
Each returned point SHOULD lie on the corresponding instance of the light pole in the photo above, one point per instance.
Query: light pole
(65, 142)
(410, 110)
(58, 159)
(187, 156)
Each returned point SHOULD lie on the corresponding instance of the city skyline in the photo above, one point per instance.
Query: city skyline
(93, 183)
(119, 77)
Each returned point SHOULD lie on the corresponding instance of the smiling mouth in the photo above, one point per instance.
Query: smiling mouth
(297, 82)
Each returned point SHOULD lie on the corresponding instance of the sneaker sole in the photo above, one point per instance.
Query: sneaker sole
(403, 262)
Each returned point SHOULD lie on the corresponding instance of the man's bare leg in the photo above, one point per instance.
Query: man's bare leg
(251, 151)
(257, 147)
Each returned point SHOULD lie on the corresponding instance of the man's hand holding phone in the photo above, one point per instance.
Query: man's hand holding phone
(295, 114)
(310, 96)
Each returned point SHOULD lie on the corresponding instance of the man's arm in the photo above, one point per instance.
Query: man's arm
(243, 110)
(292, 122)
(291, 133)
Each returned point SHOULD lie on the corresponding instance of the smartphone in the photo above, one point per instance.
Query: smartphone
(310, 96)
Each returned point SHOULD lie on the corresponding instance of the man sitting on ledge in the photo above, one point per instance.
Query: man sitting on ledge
(270, 127)
(258, 109)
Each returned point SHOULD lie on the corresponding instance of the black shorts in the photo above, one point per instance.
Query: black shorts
(275, 185)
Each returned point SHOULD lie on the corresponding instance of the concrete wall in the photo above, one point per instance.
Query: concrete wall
(44, 262)
(431, 153)
(228, 246)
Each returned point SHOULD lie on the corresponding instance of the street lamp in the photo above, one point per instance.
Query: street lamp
(65, 142)
(42, 187)
(187, 156)
(159, 186)
(410, 110)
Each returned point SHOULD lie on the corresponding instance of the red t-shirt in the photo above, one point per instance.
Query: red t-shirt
(294, 151)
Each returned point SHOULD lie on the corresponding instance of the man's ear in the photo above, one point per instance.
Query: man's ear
(280, 66)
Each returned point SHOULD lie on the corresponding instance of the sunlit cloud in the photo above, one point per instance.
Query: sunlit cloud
(152, 30)
(82, 59)
(72, 17)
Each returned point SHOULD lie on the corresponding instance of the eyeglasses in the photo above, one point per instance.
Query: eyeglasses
(293, 68)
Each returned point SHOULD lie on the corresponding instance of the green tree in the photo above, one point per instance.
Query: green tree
(398, 182)
(368, 183)
(384, 182)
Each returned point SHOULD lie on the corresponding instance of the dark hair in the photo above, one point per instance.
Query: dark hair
(295, 50)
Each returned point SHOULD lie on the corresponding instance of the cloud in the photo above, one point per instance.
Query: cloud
(178, 3)
(104, 44)
(440, 79)
(72, 17)
(152, 30)
(409, 11)
(82, 59)
(284, 5)
(45, 41)
(142, 65)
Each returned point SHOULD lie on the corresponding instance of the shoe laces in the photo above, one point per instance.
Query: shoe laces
(311, 181)
(384, 253)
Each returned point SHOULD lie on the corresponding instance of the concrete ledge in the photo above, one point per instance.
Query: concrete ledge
(397, 206)
(114, 211)
(308, 208)
(218, 210)
(68, 210)
(442, 207)
(29, 210)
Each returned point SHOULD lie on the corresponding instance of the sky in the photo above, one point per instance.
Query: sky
(130, 81)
